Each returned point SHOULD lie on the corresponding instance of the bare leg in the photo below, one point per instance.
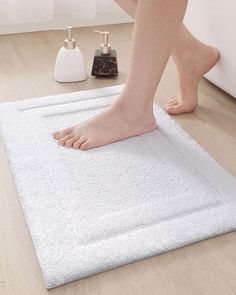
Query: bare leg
(156, 27)
(193, 59)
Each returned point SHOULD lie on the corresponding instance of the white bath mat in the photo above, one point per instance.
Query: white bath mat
(91, 211)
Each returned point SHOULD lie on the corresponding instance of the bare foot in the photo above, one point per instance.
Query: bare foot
(114, 124)
(191, 69)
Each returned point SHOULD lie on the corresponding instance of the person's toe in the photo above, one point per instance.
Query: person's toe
(69, 142)
(173, 99)
(77, 143)
(86, 145)
(62, 133)
(181, 108)
(62, 140)
(57, 134)
(175, 109)
(173, 103)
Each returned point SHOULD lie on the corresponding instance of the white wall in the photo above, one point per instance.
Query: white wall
(108, 12)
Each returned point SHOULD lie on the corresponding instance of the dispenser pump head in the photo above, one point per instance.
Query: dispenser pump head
(105, 47)
(69, 42)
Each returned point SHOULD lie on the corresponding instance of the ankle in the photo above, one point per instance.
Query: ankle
(193, 61)
(133, 110)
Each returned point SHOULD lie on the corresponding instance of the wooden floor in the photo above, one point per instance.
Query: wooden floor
(204, 268)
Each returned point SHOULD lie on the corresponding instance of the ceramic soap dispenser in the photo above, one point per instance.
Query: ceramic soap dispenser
(70, 65)
(105, 59)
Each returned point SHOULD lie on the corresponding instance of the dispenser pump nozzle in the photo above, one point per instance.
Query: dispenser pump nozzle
(69, 41)
(105, 47)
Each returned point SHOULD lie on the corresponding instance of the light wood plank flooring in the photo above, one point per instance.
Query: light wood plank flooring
(206, 268)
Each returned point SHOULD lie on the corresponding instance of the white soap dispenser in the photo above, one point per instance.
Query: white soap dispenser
(70, 65)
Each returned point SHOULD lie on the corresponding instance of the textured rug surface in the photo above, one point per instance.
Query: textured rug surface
(91, 211)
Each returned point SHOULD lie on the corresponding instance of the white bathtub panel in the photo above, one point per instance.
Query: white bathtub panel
(214, 22)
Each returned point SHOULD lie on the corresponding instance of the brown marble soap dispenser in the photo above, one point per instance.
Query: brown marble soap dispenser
(105, 59)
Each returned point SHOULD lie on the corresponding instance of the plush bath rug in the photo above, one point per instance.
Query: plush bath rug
(91, 211)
